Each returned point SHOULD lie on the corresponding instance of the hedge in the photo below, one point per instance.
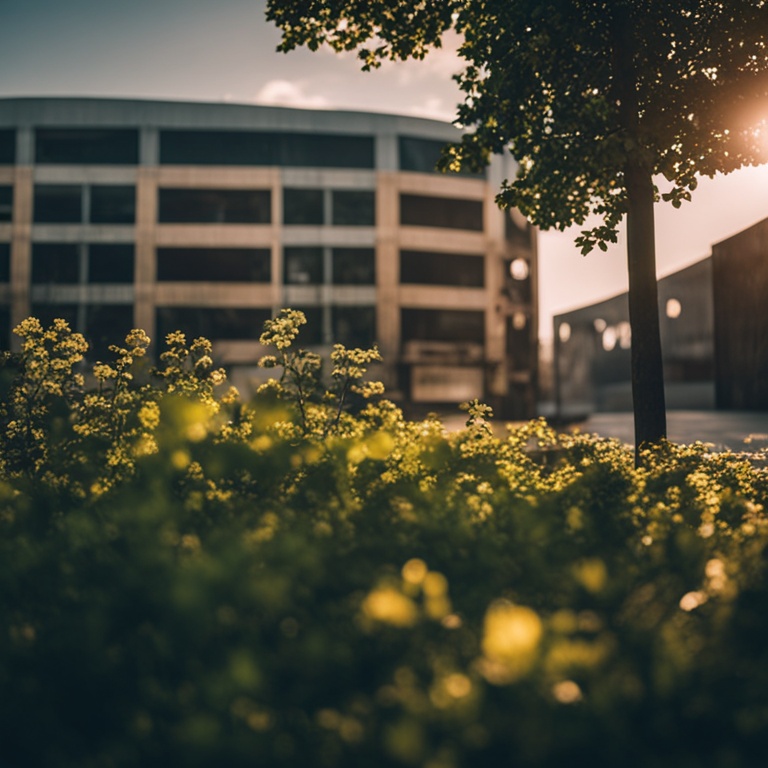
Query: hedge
(308, 579)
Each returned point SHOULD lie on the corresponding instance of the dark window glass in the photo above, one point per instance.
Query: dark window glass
(58, 204)
(55, 263)
(5, 328)
(232, 265)
(303, 206)
(7, 146)
(6, 203)
(421, 155)
(218, 148)
(303, 266)
(113, 204)
(311, 334)
(47, 313)
(106, 324)
(110, 263)
(427, 268)
(214, 206)
(87, 146)
(5, 262)
(446, 212)
(354, 266)
(265, 148)
(354, 326)
(516, 228)
(326, 151)
(212, 322)
(354, 208)
(443, 325)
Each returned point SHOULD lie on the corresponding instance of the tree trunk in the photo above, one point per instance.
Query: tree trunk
(647, 368)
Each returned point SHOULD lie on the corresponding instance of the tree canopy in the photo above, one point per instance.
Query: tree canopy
(607, 106)
(544, 79)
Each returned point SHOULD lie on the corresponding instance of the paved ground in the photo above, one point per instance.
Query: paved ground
(730, 430)
(725, 429)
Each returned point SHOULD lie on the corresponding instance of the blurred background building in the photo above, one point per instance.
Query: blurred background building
(209, 218)
(714, 333)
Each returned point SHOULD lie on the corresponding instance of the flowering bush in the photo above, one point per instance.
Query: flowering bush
(309, 579)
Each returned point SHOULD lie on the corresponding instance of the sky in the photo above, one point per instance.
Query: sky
(224, 51)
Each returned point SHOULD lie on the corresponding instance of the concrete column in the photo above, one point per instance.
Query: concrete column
(386, 152)
(21, 256)
(145, 269)
(388, 274)
(25, 146)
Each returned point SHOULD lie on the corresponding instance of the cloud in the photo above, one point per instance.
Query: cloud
(435, 109)
(290, 93)
(441, 63)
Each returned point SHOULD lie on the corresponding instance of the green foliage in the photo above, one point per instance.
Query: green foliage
(320, 408)
(309, 579)
(576, 90)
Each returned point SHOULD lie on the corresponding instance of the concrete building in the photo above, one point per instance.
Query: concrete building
(740, 281)
(714, 335)
(208, 218)
(592, 348)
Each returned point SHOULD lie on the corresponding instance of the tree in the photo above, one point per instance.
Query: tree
(600, 102)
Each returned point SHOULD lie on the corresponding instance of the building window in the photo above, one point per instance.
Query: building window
(7, 146)
(5, 328)
(6, 203)
(348, 207)
(214, 323)
(214, 206)
(113, 205)
(5, 262)
(353, 266)
(421, 155)
(75, 204)
(311, 334)
(443, 325)
(110, 263)
(72, 263)
(260, 148)
(101, 324)
(441, 212)
(353, 208)
(217, 148)
(46, 313)
(55, 263)
(430, 268)
(303, 266)
(87, 146)
(233, 265)
(303, 206)
(58, 204)
(318, 150)
(516, 228)
(354, 326)
(106, 324)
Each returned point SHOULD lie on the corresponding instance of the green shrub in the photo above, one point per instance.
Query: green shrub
(310, 580)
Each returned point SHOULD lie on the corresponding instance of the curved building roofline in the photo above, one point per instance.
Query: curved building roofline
(77, 111)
